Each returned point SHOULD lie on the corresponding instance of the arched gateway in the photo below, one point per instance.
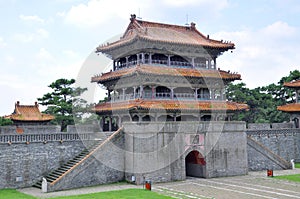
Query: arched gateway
(195, 164)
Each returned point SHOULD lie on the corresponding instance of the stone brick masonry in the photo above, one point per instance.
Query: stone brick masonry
(27, 155)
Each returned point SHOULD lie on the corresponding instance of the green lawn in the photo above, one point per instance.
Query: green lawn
(295, 177)
(13, 194)
(122, 194)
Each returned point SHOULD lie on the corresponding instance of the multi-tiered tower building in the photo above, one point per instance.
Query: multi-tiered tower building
(164, 72)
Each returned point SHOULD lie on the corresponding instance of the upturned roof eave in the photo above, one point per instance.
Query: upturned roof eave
(142, 105)
(100, 79)
(106, 49)
(290, 108)
(293, 84)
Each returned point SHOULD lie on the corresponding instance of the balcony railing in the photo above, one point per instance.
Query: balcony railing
(50, 137)
(121, 97)
(177, 64)
(161, 96)
(184, 95)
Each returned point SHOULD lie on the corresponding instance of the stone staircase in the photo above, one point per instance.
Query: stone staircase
(54, 175)
(61, 171)
(268, 153)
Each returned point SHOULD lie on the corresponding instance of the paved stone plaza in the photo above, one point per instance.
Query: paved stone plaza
(254, 185)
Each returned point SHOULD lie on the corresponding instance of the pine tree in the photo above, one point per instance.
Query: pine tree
(59, 102)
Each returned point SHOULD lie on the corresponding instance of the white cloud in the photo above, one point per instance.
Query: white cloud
(32, 18)
(178, 3)
(12, 80)
(65, 64)
(58, 69)
(279, 29)
(61, 14)
(2, 42)
(9, 59)
(44, 55)
(97, 12)
(212, 5)
(42, 33)
(262, 56)
(29, 37)
(70, 53)
(23, 37)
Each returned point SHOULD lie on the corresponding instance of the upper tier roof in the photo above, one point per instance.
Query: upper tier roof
(292, 84)
(29, 113)
(166, 33)
(169, 71)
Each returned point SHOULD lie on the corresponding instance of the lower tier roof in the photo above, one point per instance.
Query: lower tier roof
(290, 108)
(170, 105)
(292, 84)
(167, 71)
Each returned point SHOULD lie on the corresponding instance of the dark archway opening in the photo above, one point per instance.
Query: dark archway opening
(195, 164)
(135, 118)
(206, 118)
(296, 122)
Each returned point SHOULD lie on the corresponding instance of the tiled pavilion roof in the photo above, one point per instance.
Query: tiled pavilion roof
(169, 71)
(293, 84)
(166, 33)
(295, 107)
(29, 113)
(170, 105)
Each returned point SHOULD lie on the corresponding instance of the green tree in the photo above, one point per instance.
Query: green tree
(4, 122)
(59, 102)
(263, 101)
(257, 102)
(283, 94)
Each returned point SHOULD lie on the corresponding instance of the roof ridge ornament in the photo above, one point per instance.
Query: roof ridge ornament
(193, 25)
(132, 17)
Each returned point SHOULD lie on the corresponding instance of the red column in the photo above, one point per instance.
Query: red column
(153, 92)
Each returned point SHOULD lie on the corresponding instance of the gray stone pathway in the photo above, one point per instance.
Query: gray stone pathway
(253, 185)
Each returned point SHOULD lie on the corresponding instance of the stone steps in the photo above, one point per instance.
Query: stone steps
(52, 176)
(258, 146)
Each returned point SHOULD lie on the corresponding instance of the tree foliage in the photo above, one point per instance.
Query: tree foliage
(60, 102)
(4, 122)
(263, 101)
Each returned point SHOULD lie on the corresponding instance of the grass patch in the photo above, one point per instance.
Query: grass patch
(14, 194)
(297, 165)
(122, 194)
(294, 178)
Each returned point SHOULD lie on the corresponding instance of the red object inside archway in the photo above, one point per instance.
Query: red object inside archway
(194, 157)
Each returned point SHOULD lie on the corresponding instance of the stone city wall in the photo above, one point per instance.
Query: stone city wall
(266, 126)
(160, 149)
(105, 165)
(281, 139)
(144, 151)
(32, 152)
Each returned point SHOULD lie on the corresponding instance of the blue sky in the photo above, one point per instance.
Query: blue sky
(41, 41)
